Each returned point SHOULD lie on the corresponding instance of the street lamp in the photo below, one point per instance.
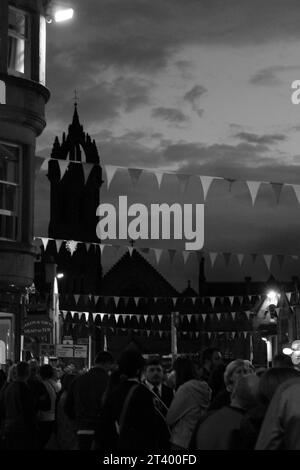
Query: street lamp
(55, 309)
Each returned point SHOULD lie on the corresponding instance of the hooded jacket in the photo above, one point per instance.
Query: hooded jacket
(190, 402)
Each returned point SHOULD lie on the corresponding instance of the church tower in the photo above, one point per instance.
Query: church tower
(75, 176)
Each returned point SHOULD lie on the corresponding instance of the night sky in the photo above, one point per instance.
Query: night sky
(194, 86)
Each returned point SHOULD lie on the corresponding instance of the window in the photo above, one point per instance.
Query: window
(6, 337)
(18, 42)
(9, 191)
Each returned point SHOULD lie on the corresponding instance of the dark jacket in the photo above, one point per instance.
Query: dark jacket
(19, 409)
(83, 402)
(167, 395)
(144, 427)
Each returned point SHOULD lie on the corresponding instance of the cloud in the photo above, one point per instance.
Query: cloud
(173, 115)
(269, 75)
(194, 94)
(267, 139)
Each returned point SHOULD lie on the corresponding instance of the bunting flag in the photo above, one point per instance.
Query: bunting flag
(204, 315)
(44, 166)
(160, 318)
(189, 317)
(213, 257)
(194, 300)
(87, 168)
(76, 297)
(174, 301)
(102, 315)
(157, 253)
(206, 183)
(268, 260)
(45, 242)
(110, 173)
(248, 314)
(197, 334)
(209, 334)
(58, 244)
(233, 334)
(227, 258)
(159, 177)
(172, 254)
(213, 300)
(183, 182)
(87, 246)
(253, 187)
(240, 258)
(116, 299)
(233, 314)
(296, 189)
(277, 310)
(96, 297)
(136, 300)
(160, 333)
(64, 313)
(148, 333)
(145, 317)
(289, 295)
(102, 248)
(116, 315)
(130, 249)
(123, 315)
(134, 174)
(218, 316)
(185, 255)
(85, 314)
(245, 334)
(231, 299)
(277, 188)
(63, 165)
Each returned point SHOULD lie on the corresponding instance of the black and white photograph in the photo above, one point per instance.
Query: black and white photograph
(149, 229)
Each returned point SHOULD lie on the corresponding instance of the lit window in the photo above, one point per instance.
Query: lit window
(18, 42)
(9, 191)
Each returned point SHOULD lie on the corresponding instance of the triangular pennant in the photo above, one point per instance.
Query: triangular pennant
(102, 316)
(189, 317)
(116, 299)
(76, 297)
(277, 188)
(130, 249)
(96, 297)
(245, 334)
(204, 315)
(72, 312)
(117, 315)
(110, 173)
(63, 165)
(219, 316)
(233, 334)
(44, 166)
(194, 300)
(160, 318)
(172, 253)
(157, 253)
(197, 334)
(240, 258)
(213, 300)
(87, 168)
(63, 313)
(231, 299)
(58, 244)
(86, 315)
(134, 174)
(87, 246)
(233, 314)
(296, 188)
(253, 187)
(123, 315)
(136, 300)
(148, 333)
(280, 259)
(160, 333)
(268, 260)
(101, 246)
(206, 182)
(227, 257)
(213, 257)
(209, 334)
(159, 177)
(138, 318)
(277, 310)
(174, 301)
(185, 255)
(248, 314)
(145, 317)
(183, 182)
(288, 295)
(45, 242)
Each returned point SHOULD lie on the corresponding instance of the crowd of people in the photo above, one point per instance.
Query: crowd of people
(134, 404)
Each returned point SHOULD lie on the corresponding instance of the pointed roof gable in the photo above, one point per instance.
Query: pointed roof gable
(135, 276)
(77, 145)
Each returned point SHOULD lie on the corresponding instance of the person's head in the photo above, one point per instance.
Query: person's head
(271, 379)
(282, 360)
(154, 371)
(245, 392)
(131, 363)
(33, 368)
(104, 360)
(184, 370)
(236, 369)
(47, 372)
(66, 382)
(12, 373)
(211, 358)
(22, 371)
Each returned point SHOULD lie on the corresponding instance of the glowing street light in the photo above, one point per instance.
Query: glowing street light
(287, 351)
(273, 297)
(63, 15)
